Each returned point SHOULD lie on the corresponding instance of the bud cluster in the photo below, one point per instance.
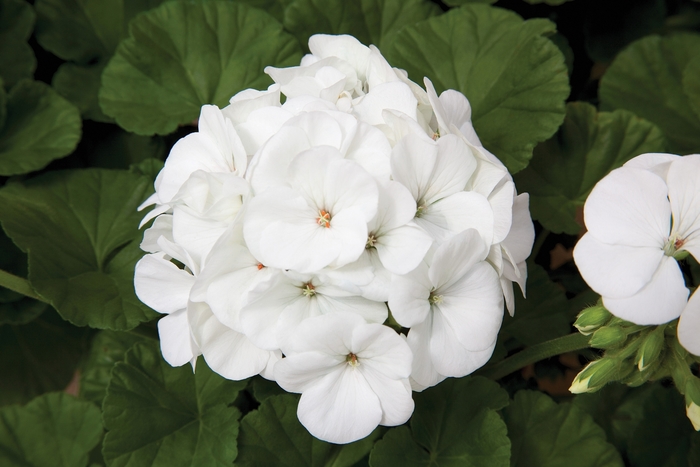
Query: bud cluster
(635, 354)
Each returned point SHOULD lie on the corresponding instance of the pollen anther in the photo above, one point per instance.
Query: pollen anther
(324, 218)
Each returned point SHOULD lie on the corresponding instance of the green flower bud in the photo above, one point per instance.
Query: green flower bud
(595, 376)
(608, 337)
(591, 319)
(650, 350)
(692, 401)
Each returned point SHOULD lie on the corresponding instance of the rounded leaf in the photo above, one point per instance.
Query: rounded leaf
(181, 56)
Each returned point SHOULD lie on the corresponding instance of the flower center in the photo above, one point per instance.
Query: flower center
(421, 209)
(673, 245)
(308, 290)
(371, 241)
(436, 135)
(324, 219)
(260, 266)
(351, 358)
(435, 299)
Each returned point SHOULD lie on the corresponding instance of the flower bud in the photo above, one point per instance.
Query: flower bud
(650, 350)
(692, 401)
(608, 337)
(591, 319)
(595, 376)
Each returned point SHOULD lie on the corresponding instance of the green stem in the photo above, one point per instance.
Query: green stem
(19, 285)
(534, 354)
(143, 330)
(539, 242)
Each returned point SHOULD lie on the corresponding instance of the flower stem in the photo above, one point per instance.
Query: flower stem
(19, 285)
(539, 242)
(534, 354)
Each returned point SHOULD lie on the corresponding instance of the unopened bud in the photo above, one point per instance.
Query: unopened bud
(591, 319)
(595, 376)
(692, 401)
(608, 337)
(651, 348)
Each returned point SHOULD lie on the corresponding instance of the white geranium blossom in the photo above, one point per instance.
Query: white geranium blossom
(638, 223)
(319, 220)
(352, 376)
(281, 231)
(453, 304)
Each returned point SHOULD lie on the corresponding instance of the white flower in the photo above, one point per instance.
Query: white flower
(319, 220)
(352, 376)
(394, 244)
(637, 223)
(436, 174)
(353, 139)
(453, 304)
(689, 325)
(275, 308)
(164, 287)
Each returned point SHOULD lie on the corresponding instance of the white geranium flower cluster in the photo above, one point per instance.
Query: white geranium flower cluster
(282, 230)
(641, 219)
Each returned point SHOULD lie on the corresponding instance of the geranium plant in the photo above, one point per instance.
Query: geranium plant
(305, 232)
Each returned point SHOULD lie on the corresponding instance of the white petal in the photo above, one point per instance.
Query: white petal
(403, 248)
(689, 325)
(162, 226)
(412, 162)
(453, 167)
(297, 373)
(615, 271)
(454, 258)
(629, 207)
(449, 357)
(227, 352)
(473, 307)
(382, 349)
(683, 190)
(522, 232)
(660, 301)
(393, 96)
(161, 285)
(269, 166)
(457, 213)
(395, 397)
(423, 371)
(340, 408)
(176, 342)
(408, 297)
(657, 163)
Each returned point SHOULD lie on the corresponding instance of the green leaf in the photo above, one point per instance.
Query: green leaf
(15, 308)
(273, 436)
(545, 434)
(618, 409)
(38, 357)
(40, 126)
(464, 2)
(587, 147)
(108, 348)
(17, 59)
(55, 429)
(157, 415)
(117, 149)
(80, 230)
(691, 83)
(622, 22)
(646, 78)
(663, 436)
(455, 423)
(370, 21)
(516, 79)
(80, 85)
(540, 317)
(86, 34)
(183, 55)
(263, 388)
